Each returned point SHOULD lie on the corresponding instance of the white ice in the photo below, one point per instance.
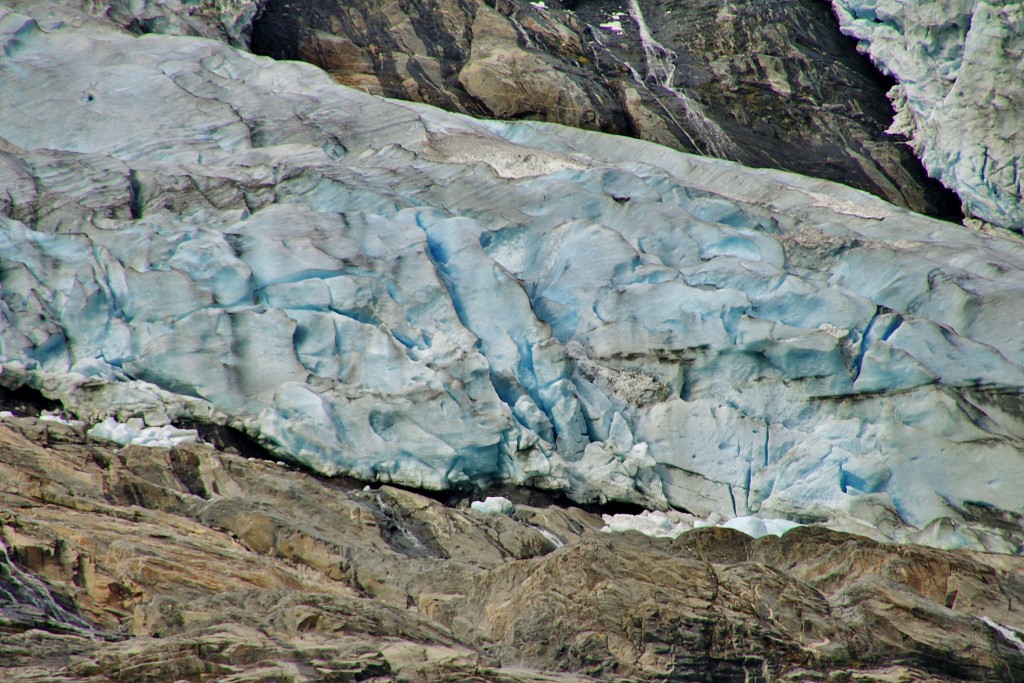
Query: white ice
(46, 416)
(671, 524)
(1005, 632)
(135, 434)
(493, 505)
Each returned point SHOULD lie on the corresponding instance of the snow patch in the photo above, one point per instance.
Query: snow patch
(555, 540)
(1006, 632)
(48, 416)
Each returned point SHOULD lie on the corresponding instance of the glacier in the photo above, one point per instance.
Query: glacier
(164, 436)
(959, 66)
(391, 292)
(672, 524)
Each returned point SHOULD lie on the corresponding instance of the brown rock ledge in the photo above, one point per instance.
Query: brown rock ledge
(196, 564)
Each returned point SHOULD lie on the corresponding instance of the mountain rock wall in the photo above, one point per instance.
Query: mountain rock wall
(764, 82)
(162, 565)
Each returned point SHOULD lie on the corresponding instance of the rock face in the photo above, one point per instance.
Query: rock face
(198, 564)
(391, 292)
(763, 82)
(960, 92)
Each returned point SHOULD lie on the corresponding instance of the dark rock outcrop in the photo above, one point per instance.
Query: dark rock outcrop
(763, 82)
(199, 564)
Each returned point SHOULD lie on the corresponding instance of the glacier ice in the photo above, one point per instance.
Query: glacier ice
(387, 291)
(960, 71)
(493, 505)
(672, 524)
(669, 524)
(757, 527)
(126, 434)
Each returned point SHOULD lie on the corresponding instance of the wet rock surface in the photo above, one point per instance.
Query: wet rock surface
(198, 564)
(763, 82)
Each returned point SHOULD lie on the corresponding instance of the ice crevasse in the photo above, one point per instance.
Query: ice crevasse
(399, 294)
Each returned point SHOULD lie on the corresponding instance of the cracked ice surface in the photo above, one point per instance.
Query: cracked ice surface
(396, 293)
(960, 68)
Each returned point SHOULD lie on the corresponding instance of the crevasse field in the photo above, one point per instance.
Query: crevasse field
(387, 291)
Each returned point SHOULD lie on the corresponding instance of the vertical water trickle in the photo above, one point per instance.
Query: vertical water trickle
(25, 599)
(661, 69)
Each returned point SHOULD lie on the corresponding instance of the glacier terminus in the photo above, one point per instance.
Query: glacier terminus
(384, 290)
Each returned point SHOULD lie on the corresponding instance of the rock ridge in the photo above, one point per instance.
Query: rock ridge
(202, 564)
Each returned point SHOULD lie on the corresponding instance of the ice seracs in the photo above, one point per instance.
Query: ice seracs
(391, 292)
(960, 91)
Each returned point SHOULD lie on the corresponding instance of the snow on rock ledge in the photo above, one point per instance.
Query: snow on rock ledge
(403, 295)
(960, 68)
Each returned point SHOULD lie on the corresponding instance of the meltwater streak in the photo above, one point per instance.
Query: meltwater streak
(26, 599)
(662, 69)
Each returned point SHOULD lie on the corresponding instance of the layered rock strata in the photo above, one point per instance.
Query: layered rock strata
(153, 564)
